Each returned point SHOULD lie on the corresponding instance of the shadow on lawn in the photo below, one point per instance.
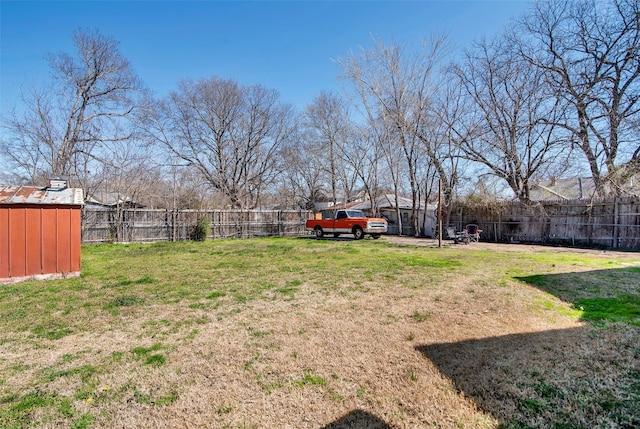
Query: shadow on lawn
(358, 419)
(587, 377)
(571, 378)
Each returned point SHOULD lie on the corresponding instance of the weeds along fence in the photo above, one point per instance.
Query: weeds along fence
(602, 224)
(101, 225)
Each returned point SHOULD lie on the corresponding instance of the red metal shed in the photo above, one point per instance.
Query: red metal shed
(39, 232)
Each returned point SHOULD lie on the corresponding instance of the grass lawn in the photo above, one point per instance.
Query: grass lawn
(305, 333)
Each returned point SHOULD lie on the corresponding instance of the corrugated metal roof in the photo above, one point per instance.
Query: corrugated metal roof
(37, 195)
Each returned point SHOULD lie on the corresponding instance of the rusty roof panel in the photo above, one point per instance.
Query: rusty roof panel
(37, 195)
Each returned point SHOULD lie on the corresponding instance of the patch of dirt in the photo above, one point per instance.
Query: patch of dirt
(506, 247)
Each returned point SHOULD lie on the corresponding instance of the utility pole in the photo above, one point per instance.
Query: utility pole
(439, 212)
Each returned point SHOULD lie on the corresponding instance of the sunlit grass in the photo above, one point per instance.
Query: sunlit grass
(163, 291)
(123, 277)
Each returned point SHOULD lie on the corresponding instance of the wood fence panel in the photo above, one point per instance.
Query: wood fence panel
(145, 225)
(606, 224)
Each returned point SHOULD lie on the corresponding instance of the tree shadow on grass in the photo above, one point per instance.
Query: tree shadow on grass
(358, 419)
(586, 377)
(571, 378)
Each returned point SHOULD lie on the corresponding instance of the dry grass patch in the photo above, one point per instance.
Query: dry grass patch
(306, 333)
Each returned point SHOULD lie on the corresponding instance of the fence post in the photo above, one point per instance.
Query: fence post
(616, 221)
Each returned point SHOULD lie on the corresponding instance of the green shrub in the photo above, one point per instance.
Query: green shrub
(200, 230)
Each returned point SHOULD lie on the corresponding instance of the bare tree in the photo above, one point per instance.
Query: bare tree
(441, 139)
(304, 177)
(362, 154)
(319, 162)
(63, 128)
(231, 134)
(326, 125)
(590, 53)
(513, 132)
(395, 87)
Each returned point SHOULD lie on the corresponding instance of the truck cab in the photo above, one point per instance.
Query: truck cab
(348, 222)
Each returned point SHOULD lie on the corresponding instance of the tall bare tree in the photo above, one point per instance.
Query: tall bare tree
(512, 133)
(60, 130)
(590, 53)
(304, 178)
(395, 86)
(231, 134)
(441, 139)
(362, 154)
(326, 125)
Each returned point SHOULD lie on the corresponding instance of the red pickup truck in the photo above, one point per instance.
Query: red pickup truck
(348, 222)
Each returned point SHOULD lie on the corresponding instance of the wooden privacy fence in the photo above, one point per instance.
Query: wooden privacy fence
(607, 223)
(146, 225)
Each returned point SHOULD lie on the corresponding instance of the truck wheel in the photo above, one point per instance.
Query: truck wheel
(358, 234)
(319, 232)
(375, 236)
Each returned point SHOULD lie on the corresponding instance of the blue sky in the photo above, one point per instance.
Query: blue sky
(284, 45)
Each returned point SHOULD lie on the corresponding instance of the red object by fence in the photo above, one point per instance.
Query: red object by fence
(39, 240)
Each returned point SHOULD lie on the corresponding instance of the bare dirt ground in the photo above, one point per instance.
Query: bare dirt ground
(505, 247)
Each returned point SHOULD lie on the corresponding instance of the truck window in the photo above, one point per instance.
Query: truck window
(356, 213)
(341, 215)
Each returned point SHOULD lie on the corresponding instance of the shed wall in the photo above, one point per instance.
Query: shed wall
(4, 243)
(39, 240)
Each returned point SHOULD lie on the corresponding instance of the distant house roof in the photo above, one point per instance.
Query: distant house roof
(388, 201)
(38, 195)
(340, 203)
(112, 199)
(574, 188)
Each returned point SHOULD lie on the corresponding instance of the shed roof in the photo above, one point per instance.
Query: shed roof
(38, 195)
